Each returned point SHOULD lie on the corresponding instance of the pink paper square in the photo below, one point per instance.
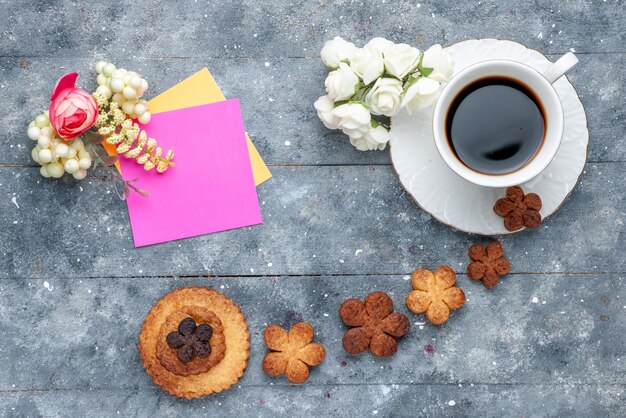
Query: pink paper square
(210, 189)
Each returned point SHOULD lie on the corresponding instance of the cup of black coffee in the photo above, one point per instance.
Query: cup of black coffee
(499, 123)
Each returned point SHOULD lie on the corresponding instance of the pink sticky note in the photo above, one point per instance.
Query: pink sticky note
(210, 189)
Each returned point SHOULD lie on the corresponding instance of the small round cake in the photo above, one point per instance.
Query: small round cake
(194, 342)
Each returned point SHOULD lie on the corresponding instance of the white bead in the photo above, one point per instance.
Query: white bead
(77, 144)
(43, 141)
(145, 117)
(80, 174)
(71, 166)
(118, 98)
(140, 108)
(102, 80)
(42, 121)
(128, 107)
(35, 154)
(33, 132)
(144, 85)
(84, 154)
(127, 78)
(71, 152)
(135, 82)
(61, 150)
(118, 74)
(129, 92)
(45, 156)
(100, 66)
(84, 163)
(47, 131)
(104, 90)
(44, 171)
(108, 69)
(55, 170)
(117, 85)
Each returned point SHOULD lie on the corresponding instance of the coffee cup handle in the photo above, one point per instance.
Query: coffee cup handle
(560, 67)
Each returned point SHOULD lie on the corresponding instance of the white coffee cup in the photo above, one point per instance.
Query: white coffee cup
(541, 86)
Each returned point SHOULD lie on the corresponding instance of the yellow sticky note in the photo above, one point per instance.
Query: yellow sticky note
(200, 89)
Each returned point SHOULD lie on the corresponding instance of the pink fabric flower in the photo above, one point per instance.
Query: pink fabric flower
(72, 110)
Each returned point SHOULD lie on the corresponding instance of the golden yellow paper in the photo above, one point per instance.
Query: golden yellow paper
(200, 89)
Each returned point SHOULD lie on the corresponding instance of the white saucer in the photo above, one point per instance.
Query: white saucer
(464, 205)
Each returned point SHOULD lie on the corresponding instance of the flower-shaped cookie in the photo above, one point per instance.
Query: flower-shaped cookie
(435, 294)
(292, 353)
(171, 342)
(190, 341)
(487, 264)
(519, 209)
(376, 325)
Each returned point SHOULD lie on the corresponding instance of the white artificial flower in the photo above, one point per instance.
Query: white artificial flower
(342, 83)
(379, 44)
(401, 60)
(368, 64)
(325, 106)
(354, 118)
(384, 98)
(441, 63)
(373, 139)
(357, 132)
(336, 51)
(422, 94)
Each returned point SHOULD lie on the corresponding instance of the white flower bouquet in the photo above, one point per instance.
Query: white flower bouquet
(369, 85)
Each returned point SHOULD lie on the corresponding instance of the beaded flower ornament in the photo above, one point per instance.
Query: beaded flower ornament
(70, 134)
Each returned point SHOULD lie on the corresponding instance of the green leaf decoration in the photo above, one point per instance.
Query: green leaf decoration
(424, 71)
(109, 160)
(351, 101)
(91, 137)
(100, 152)
(410, 81)
(100, 156)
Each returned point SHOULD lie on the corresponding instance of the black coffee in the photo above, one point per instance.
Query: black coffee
(495, 125)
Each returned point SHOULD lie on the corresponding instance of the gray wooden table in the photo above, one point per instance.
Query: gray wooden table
(549, 340)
